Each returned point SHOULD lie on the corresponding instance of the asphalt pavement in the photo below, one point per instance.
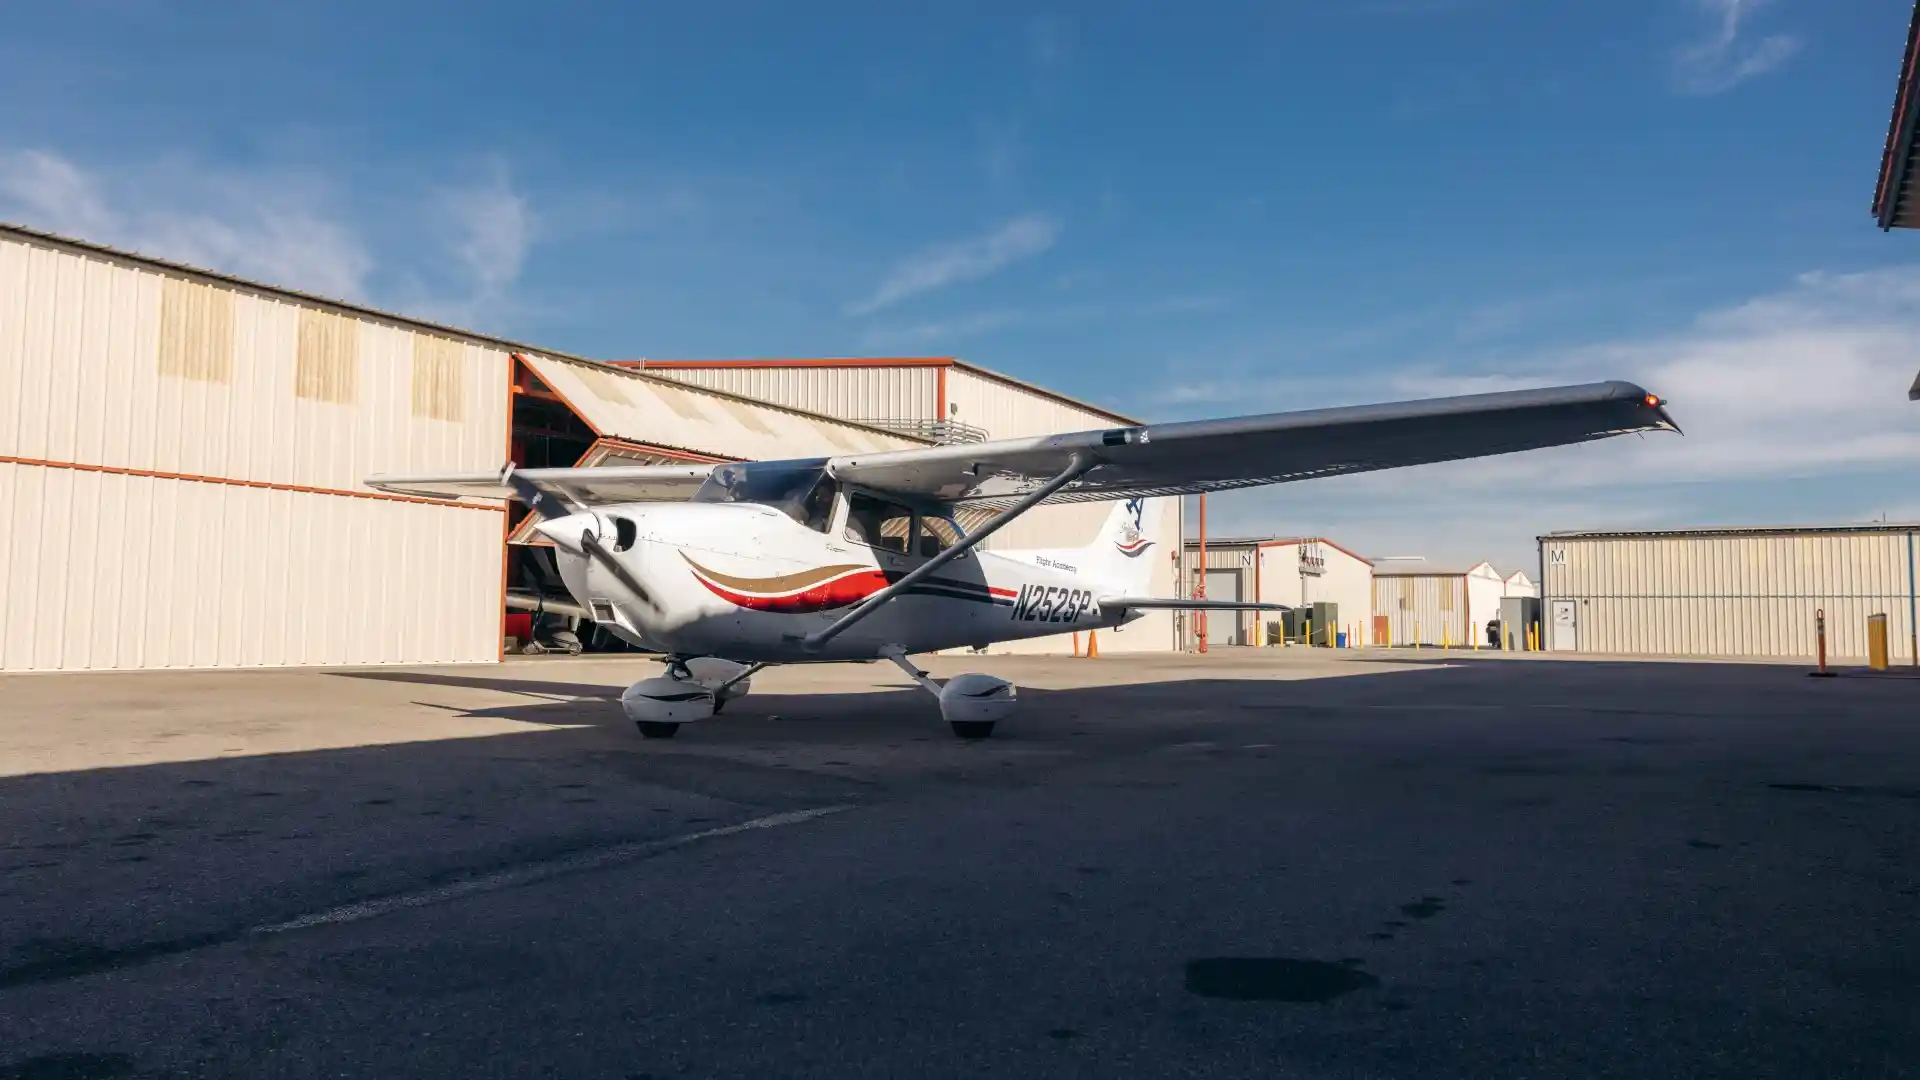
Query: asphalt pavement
(1283, 863)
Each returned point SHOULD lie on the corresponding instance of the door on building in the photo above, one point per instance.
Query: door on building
(1563, 630)
(1223, 627)
(1382, 630)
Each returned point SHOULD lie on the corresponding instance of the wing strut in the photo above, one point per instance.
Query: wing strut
(1077, 468)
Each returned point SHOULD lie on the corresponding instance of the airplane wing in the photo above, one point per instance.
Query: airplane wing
(586, 487)
(1215, 455)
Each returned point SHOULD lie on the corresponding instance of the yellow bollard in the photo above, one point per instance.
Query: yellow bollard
(1877, 642)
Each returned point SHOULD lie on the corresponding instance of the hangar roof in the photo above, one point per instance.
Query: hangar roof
(1193, 543)
(1894, 203)
(1735, 530)
(886, 362)
(1427, 569)
(134, 258)
(618, 403)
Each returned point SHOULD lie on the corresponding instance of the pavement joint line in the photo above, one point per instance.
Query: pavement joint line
(526, 875)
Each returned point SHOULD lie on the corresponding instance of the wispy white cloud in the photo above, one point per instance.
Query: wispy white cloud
(495, 229)
(457, 259)
(1801, 388)
(965, 260)
(279, 227)
(53, 193)
(1724, 58)
(943, 332)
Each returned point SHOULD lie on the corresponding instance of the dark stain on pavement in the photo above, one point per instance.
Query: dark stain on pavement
(1850, 789)
(1425, 908)
(1258, 978)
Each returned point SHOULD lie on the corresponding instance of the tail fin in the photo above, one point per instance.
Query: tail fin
(1125, 552)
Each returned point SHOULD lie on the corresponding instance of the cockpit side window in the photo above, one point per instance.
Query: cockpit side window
(936, 535)
(624, 533)
(878, 523)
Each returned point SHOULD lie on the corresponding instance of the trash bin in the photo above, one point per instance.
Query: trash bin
(1340, 640)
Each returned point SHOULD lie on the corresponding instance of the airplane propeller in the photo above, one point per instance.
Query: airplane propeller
(553, 506)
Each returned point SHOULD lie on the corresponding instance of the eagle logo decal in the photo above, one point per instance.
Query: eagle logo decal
(1131, 543)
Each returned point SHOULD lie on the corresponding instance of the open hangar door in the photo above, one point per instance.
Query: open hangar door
(547, 432)
(580, 414)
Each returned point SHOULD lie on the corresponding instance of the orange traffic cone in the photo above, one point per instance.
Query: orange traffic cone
(1093, 645)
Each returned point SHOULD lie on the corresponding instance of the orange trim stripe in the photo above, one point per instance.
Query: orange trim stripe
(827, 362)
(118, 470)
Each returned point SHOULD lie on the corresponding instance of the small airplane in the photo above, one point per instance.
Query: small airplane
(727, 569)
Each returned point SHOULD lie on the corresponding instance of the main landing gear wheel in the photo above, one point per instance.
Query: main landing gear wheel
(973, 729)
(656, 729)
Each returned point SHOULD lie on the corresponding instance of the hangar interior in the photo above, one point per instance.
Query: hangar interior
(182, 456)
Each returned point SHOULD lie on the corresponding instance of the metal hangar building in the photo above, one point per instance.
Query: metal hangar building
(1747, 592)
(1328, 583)
(182, 455)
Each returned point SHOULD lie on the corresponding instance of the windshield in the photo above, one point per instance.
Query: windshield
(799, 489)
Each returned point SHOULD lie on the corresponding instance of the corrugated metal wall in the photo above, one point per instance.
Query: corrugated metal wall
(1422, 609)
(1009, 411)
(259, 416)
(1346, 581)
(105, 570)
(852, 393)
(1733, 595)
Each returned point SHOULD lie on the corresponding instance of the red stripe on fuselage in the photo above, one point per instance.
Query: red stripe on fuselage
(838, 592)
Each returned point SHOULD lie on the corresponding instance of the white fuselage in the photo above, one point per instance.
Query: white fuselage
(747, 582)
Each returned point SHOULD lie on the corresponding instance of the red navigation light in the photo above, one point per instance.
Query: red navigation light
(1652, 402)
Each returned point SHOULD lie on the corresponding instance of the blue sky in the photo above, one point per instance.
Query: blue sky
(1206, 210)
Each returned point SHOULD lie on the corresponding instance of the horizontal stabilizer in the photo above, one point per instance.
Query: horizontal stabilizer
(1144, 603)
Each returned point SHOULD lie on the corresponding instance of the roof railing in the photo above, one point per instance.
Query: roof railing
(946, 432)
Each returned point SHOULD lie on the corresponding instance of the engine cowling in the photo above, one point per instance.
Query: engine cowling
(711, 671)
(667, 701)
(974, 698)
